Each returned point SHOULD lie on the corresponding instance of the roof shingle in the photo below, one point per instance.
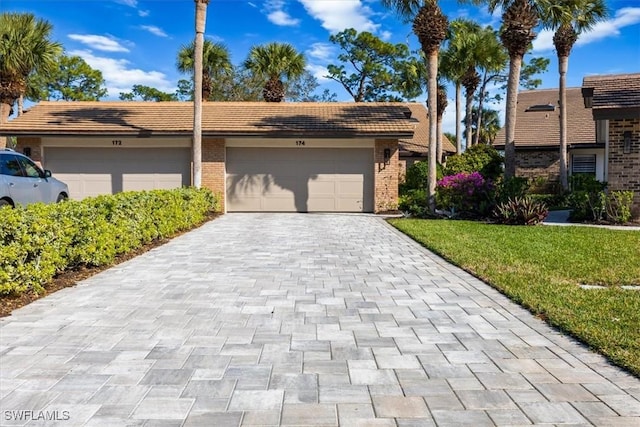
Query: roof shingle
(420, 141)
(218, 119)
(614, 90)
(542, 128)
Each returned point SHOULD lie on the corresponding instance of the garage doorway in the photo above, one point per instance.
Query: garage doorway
(299, 180)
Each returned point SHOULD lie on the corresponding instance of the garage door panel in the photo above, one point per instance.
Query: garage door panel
(330, 180)
(93, 171)
(284, 203)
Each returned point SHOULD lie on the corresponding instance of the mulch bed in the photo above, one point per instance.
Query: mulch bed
(69, 278)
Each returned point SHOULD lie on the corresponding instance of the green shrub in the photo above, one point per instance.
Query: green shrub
(481, 158)
(511, 188)
(619, 206)
(417, 176)
(520, 211)
(551, 200)
(587, 199)
(414, 202)
(586, 182)
(40, 241)
(465, 194)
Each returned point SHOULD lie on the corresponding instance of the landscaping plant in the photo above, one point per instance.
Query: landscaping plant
(480, 158)
(520, 211)
(465, 194)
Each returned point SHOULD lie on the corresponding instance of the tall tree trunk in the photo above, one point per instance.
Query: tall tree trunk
(563, 62)
(201, 16)
(515, 64)
(5, 109)
(439, 151)
(432, 91)
(468, 120)
(476, 137)
(458, 118)
(20, 105)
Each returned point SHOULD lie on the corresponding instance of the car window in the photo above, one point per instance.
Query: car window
(9, 165)
(32, 170)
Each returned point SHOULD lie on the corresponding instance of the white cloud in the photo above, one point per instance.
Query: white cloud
(252, 4)
(336, 16)
(385, 35)
(624, 17)
(321, 51)
(131, 3)
(144, 13)
(154, 30)
(282, 18)
(99, 42)
(319, 72)
(543, 42)
(120, 78)
(610, 28)
(277, 14)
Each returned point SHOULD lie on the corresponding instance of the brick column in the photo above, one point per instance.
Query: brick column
(213, 167)
(35, 144)
(624, 169)
(386, 176)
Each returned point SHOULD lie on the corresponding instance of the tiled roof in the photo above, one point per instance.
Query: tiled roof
(218, 119)
(614, 91)
(420, 141)
(542, 128)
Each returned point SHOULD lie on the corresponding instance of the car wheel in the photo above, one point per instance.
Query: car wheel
(5, 202)
(61, 198)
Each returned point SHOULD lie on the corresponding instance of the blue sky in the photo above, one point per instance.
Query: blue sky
(136, 41)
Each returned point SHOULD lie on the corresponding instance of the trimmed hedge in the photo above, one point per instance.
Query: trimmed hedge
(39, 241)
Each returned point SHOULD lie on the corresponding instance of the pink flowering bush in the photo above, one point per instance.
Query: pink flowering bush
(465, 194)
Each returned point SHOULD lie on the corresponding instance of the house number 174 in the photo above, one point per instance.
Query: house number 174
(299, 143)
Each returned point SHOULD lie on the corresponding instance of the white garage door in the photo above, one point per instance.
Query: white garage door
(93, 171)
(300, 180)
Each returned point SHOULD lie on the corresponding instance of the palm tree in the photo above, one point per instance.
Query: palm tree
(216, 64)
(201, 18)
(274, 61)
(493, 59)
(569, 19)
(453, 66)
(442, 105)
(430, 26)
(519, 19)
(490, 126)
(25, 48)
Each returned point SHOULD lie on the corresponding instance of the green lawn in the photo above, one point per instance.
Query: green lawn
(542, 267)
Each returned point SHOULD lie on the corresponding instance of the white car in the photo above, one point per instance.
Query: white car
(22, 182)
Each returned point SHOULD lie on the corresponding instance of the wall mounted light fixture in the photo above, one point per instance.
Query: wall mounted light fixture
(387, 156)
(627, 142)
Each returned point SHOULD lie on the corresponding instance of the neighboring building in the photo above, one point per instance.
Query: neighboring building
(417, 148)
(615, 100)
(537, 137)
(256, 156)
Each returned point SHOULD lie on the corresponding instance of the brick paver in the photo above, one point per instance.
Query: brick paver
(291, 319)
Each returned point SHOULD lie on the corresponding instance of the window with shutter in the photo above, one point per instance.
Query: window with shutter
(583, 163)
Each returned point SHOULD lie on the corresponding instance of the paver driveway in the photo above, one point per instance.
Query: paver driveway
(283, 319)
